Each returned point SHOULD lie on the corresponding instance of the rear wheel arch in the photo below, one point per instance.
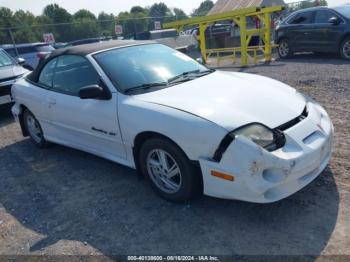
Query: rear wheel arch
(281, 38)
(21, 120)
(37, 137)
(343, 38)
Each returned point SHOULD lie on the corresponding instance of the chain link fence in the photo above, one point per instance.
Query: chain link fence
(128, 28)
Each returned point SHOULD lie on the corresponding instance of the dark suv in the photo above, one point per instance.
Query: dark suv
(319, 29)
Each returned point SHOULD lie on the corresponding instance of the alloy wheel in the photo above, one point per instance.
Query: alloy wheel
(284, 49)
(164, 171)
(33, 128)
(346, 49)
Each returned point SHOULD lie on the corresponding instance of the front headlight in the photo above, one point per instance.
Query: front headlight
(261, 135)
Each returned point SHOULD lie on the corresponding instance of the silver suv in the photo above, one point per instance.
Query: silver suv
(31, 52)
(10, 71)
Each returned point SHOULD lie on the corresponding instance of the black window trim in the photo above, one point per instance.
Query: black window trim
(332, 11)
(41, 84)
(102, 83)
(303, 12)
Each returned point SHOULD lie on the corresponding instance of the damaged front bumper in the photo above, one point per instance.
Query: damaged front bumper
(262, 177)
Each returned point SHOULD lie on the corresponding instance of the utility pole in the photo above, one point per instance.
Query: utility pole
(13, 42)
(135, 29)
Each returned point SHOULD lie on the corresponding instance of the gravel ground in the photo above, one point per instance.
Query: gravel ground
(63, 201)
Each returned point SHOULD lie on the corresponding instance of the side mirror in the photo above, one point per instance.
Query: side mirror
(20, 61)
(94, 92)
(334, 20)
(200, 60)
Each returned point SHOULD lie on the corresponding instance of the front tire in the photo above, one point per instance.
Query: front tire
(168, 170)
(284, 49)
(34, 129)
(345, 48)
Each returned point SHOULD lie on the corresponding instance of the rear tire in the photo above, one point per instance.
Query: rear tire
(168, 169)
(284, 50)
(345, 48)
(34, 130)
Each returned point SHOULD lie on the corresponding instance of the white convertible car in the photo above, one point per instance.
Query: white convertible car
(185, 127)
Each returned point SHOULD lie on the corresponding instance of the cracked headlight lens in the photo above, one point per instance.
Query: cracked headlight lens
(261, 135)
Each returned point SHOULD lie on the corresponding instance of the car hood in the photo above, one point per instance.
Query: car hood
(11, 71)
(232, 99)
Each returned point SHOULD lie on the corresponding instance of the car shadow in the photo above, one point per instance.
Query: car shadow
(309, 58)
(65, 194)
(317, 58)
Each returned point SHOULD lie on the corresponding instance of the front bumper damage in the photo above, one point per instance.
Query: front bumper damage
(5, 92)
(262, 177)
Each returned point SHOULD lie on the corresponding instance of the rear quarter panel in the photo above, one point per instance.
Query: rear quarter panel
(33, 98)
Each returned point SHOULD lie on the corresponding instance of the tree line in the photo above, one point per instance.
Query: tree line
(24, 27)
(306, 4)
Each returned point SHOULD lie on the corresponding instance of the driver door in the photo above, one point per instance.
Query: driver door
(300, 32)
(87, 124)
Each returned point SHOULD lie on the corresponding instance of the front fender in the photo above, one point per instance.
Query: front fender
(196, 136)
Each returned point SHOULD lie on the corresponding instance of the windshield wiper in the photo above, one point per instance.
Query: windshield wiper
(145, 86)
(197, 73)
(172, 80)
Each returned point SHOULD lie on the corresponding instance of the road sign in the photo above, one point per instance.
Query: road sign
(118, 29)
(157, 25)
(49, 38)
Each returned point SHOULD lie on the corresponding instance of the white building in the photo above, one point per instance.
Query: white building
(222, 6)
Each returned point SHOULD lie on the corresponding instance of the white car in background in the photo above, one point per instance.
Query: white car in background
(31, 52)
(10, 71)
(184, 126)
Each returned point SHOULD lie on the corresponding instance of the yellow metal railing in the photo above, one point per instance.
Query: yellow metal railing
(240, 19)
(231, 53)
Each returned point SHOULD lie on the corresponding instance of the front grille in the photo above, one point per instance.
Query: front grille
(294, 121)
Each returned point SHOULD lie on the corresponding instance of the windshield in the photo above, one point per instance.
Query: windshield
(344, 10)
(5, 59)
(145, 65)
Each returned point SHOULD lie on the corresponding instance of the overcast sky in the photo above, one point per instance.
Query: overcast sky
(110, 6)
